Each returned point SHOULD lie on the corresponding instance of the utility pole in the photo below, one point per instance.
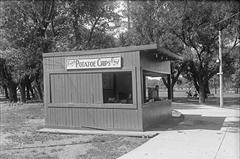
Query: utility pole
(128, 14)
(220, 60)
(220, 70)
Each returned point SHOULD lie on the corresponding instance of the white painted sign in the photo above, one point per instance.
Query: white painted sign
(92, 63)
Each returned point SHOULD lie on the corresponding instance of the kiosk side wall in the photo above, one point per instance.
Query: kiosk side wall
(154, 112)
(61, 97)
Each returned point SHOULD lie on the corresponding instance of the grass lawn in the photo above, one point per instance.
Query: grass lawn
(230, 101)
(19, 139)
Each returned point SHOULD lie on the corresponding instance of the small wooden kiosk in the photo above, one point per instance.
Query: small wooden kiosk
(104, 89)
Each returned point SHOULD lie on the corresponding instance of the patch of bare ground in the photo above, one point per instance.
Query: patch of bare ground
(112, 147)
(19, 139)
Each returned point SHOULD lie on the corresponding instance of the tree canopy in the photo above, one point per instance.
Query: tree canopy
(30, 28)
(189, 28)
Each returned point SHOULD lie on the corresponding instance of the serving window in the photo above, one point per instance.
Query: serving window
(154, 89)
(92, 89)
(117, 87)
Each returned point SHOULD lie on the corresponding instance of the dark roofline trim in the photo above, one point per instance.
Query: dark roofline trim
(102, 51)
(113, 50)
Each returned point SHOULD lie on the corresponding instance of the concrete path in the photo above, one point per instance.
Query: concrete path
(206, 133)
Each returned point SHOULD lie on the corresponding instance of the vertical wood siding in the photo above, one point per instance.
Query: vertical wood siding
(110, 119)
(76, 88)
(156, 112)
(126, 119)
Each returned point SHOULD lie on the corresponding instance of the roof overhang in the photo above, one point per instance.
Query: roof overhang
(160, 51)
(143, 48)
(168, 53)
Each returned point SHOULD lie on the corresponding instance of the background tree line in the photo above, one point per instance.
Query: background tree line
(189, 28)
(30, 28)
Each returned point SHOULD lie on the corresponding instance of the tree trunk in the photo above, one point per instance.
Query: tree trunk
(39, 90)
(201, 93)
(32, 92)
(207, 90)
(167, 83)
(170, 87)
(23, 92)
(12, 87)
(169, 93)
(5, 91)
(28, 91)
(196, 85)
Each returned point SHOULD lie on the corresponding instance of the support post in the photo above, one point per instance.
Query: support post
(170, 93)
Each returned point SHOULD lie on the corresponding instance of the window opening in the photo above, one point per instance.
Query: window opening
(117, 87)
(154, 88)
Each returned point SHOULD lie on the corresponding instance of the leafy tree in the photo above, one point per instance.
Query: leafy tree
(30, 28)
(24, 28)
(232, 74)
(197, 30)
(147, 26)
(82, 23)
(189, 28)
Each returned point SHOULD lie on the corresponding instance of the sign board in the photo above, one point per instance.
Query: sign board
(92, 63)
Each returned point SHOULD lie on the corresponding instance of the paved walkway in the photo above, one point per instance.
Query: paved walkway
(206, 133)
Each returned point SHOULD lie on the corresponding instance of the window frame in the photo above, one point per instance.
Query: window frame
(131, 85)
(133, 71)
(144, 84)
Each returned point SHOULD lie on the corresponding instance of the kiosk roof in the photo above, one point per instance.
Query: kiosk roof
(145, 48)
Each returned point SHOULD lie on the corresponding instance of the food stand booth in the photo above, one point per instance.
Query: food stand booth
(105, 89)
